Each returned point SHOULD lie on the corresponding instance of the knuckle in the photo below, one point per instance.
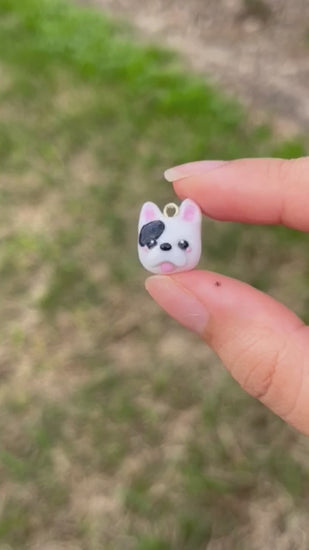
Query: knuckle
(261, 377)
(262, 360)
(255, 363)
(291, 172)
(290, 177)
(302, 362)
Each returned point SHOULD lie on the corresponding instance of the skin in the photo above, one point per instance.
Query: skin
(264, 345)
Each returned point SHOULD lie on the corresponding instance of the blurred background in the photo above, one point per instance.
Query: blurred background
(118, 429)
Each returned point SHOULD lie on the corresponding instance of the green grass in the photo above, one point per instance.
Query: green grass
(118, 430)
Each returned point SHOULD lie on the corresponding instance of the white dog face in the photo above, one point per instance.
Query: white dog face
(169, 244)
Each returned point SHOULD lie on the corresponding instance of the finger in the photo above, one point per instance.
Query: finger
(263, 344)
(261, 191)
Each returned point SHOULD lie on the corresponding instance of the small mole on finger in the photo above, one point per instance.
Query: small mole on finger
(217, 283)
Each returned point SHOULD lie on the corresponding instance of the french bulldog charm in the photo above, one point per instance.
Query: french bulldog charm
(169, 243)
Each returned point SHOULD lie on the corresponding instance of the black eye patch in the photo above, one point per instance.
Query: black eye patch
(151, 231)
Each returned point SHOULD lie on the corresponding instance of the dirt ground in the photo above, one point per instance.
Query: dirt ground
(257, 50)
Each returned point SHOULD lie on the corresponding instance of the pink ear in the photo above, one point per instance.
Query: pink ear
(149, 212)
(189, 211)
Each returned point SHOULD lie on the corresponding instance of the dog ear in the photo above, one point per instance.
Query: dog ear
(149, 213)
(190, 211)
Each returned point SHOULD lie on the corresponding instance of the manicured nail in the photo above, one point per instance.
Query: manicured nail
(178, 302)
(191, 168)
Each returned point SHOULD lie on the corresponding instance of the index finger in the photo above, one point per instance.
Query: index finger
(256, 191)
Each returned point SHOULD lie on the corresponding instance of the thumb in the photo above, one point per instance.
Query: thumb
(263, 344)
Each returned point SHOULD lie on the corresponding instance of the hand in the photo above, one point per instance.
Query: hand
(263, 344)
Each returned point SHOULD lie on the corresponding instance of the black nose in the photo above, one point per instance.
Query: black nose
(165, 246)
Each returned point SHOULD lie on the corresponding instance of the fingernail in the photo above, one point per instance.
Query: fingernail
(191, 168)
(178, 302)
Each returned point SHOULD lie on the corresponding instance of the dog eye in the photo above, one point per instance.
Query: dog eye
(151, 243)
(183, 244)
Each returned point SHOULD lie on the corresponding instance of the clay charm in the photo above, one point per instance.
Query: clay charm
(169, 241)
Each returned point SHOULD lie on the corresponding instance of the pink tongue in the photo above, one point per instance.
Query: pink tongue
(167, 267)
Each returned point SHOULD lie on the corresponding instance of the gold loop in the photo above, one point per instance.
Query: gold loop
(170, 206)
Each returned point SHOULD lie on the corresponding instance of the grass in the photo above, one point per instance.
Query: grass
(118, 430)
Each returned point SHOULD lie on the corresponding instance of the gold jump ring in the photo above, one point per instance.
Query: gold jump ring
(171, 206)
